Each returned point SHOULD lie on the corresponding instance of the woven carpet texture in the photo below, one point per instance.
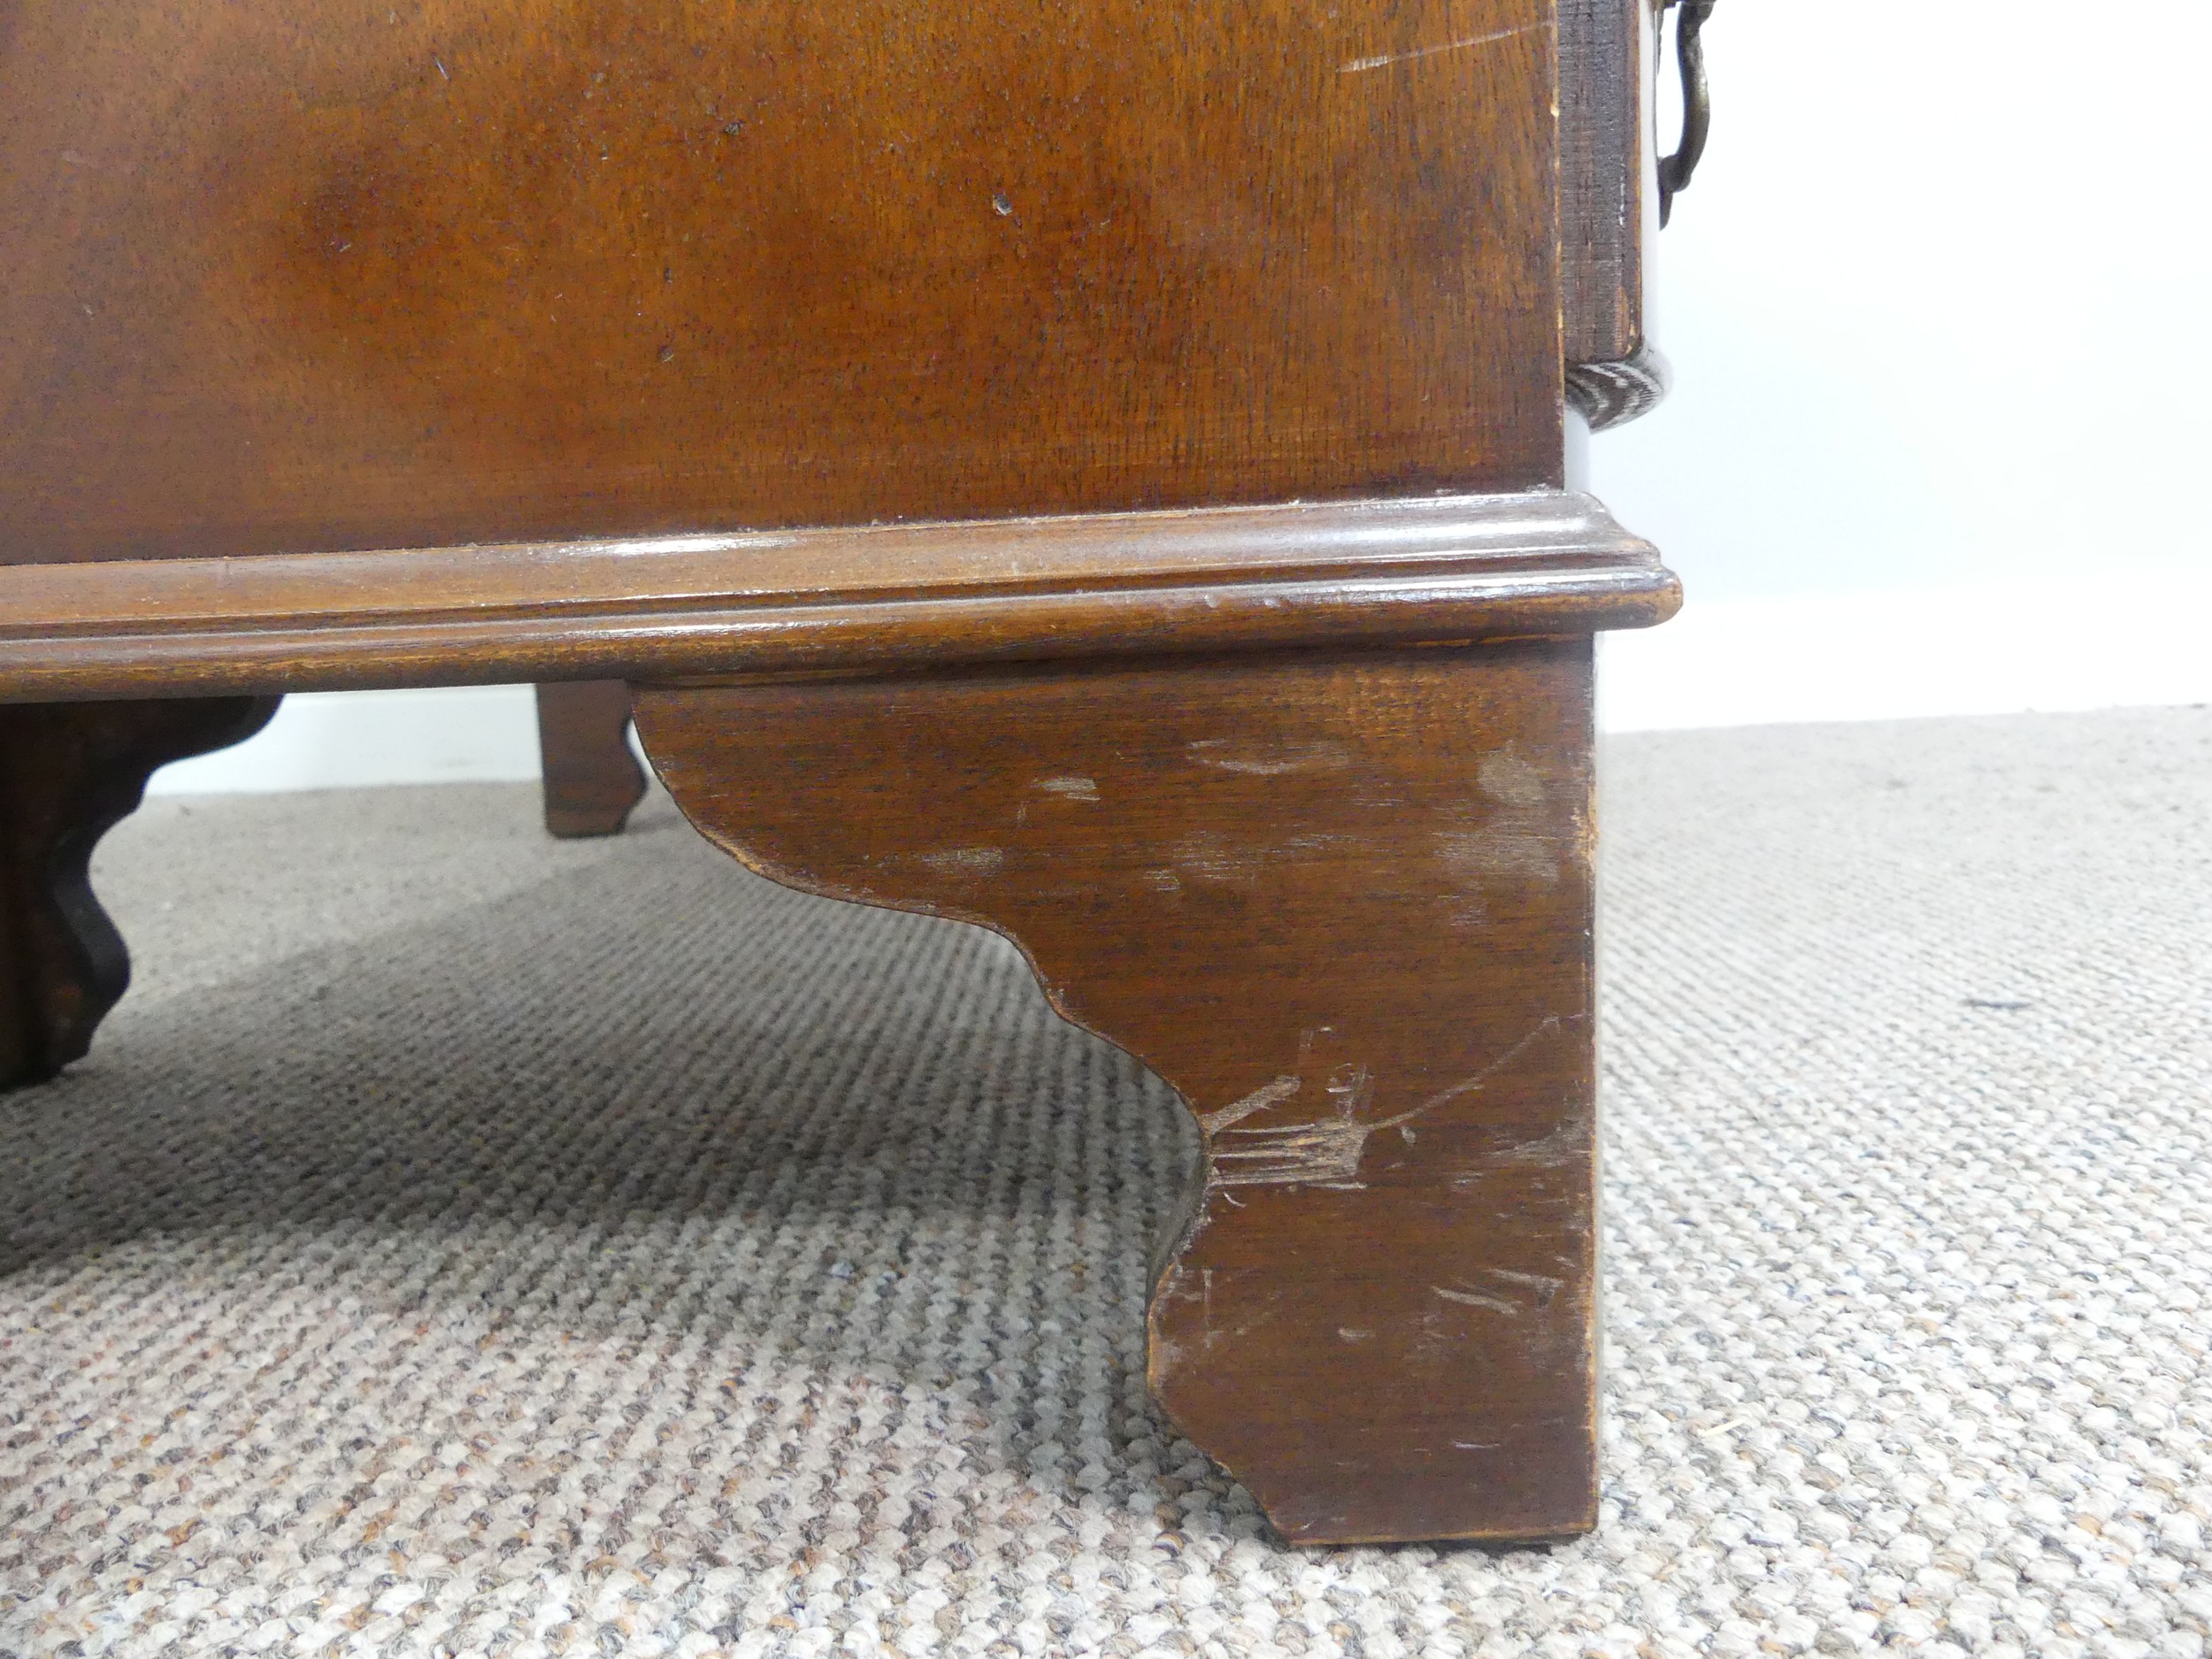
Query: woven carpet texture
(460, 1243)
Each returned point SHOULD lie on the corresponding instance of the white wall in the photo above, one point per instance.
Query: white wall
(1937, 436)
(1933, 305)
(339, 739)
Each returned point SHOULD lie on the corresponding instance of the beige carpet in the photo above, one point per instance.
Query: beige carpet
(465, 1244)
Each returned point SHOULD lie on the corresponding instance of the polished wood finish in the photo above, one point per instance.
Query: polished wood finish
(324, 275)
(68, 774)
(1452, 567)
(1342, 903)
(591, 780)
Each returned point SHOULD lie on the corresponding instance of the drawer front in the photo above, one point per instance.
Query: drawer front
(303, 275)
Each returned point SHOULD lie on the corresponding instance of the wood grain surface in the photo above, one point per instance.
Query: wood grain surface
(313, 275)
(69, 775)
(1342, 903)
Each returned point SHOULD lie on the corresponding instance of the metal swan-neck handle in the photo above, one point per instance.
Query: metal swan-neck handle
(1697, 111)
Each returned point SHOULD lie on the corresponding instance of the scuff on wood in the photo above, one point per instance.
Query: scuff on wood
(1228, 755)
(1539, 1289)
(1070, 789)
(974, 861)
(1325, 1151)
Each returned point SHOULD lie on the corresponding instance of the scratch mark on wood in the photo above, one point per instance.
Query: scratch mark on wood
(1549, 1023)
(1210, 856)
(1544, 1286)
(1476, 1299)
(1325, 1152)
(1322, 1153)
(1258, 1100)
(1360, 65)
(1476, 1446)
(1567, 1144)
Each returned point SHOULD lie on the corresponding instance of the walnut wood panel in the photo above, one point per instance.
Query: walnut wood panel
(68, 774)
(591, 780)
(1459, 567)
(300, 275)
(1342, 903)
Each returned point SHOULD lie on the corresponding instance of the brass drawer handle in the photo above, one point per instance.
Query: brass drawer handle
(1697, 107)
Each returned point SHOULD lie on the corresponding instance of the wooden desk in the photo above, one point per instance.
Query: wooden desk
(1101, 471)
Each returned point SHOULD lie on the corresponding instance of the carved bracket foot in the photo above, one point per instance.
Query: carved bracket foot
(69, 773)
(1342, 903)
(592, 780)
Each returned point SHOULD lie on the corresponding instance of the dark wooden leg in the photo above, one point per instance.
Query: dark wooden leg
(592, 780)
(1342, 903)
(69, 773)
